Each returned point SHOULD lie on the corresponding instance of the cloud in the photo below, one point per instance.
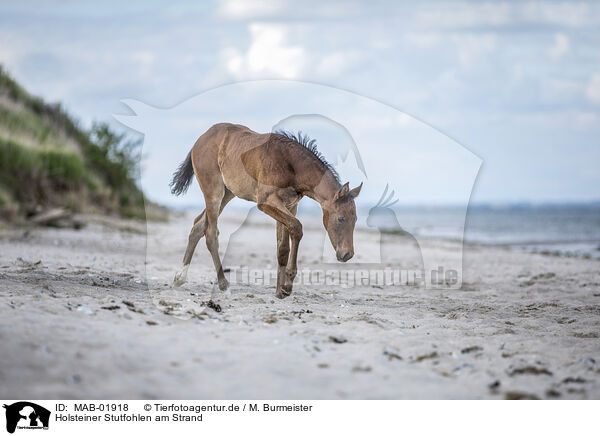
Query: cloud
(570, 14)
(560, 47)
(438, 15)
(269, 54)
(559, 91)
(593, 89)
(423, 40)
(272, 54)
(334, 64)
(247, 9)
(471, 48)
(587, 119)
(144, 61)
(466, 15)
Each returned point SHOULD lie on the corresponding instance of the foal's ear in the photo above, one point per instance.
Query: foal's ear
(354, 193)
(342, 192)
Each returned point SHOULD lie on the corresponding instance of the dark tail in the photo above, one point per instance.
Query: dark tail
(183, 176)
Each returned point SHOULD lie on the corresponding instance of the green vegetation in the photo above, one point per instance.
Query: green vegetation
(34, 174)
(48, 160)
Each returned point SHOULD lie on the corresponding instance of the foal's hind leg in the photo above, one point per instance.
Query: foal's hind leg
(197, 232)
(212, 233)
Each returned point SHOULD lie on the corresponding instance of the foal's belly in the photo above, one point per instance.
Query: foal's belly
(238, 181)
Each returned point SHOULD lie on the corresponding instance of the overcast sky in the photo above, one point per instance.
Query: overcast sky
(517, 83)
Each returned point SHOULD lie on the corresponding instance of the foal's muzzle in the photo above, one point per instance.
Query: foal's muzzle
(344, 257)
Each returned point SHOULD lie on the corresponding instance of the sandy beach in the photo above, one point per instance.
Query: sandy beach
(85, 314)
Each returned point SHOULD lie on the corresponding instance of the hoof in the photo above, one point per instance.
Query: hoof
(179, 280)
(223, 284)
(283, 292)
(180, 277)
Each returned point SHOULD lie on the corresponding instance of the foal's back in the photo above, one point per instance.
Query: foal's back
(244, 159)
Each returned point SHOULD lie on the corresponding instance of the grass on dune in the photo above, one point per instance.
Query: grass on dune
(30, 175)
(99, 168)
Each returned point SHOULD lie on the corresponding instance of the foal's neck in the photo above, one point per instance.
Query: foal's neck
(325, 189)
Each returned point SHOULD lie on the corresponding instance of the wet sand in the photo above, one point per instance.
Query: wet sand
(80, 318)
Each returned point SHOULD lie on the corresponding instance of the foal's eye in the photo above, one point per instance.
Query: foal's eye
(341, 219)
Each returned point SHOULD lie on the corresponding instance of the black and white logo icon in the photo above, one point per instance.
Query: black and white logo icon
(26, 415)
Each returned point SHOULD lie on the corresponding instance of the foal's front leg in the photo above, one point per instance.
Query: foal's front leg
(292, 266)
(283, 253)
(276, 209)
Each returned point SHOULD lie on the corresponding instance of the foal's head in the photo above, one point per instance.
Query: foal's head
(339, 218)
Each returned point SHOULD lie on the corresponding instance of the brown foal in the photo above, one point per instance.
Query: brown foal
(274, 170)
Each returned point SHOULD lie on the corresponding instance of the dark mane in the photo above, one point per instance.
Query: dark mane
(309, 144)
